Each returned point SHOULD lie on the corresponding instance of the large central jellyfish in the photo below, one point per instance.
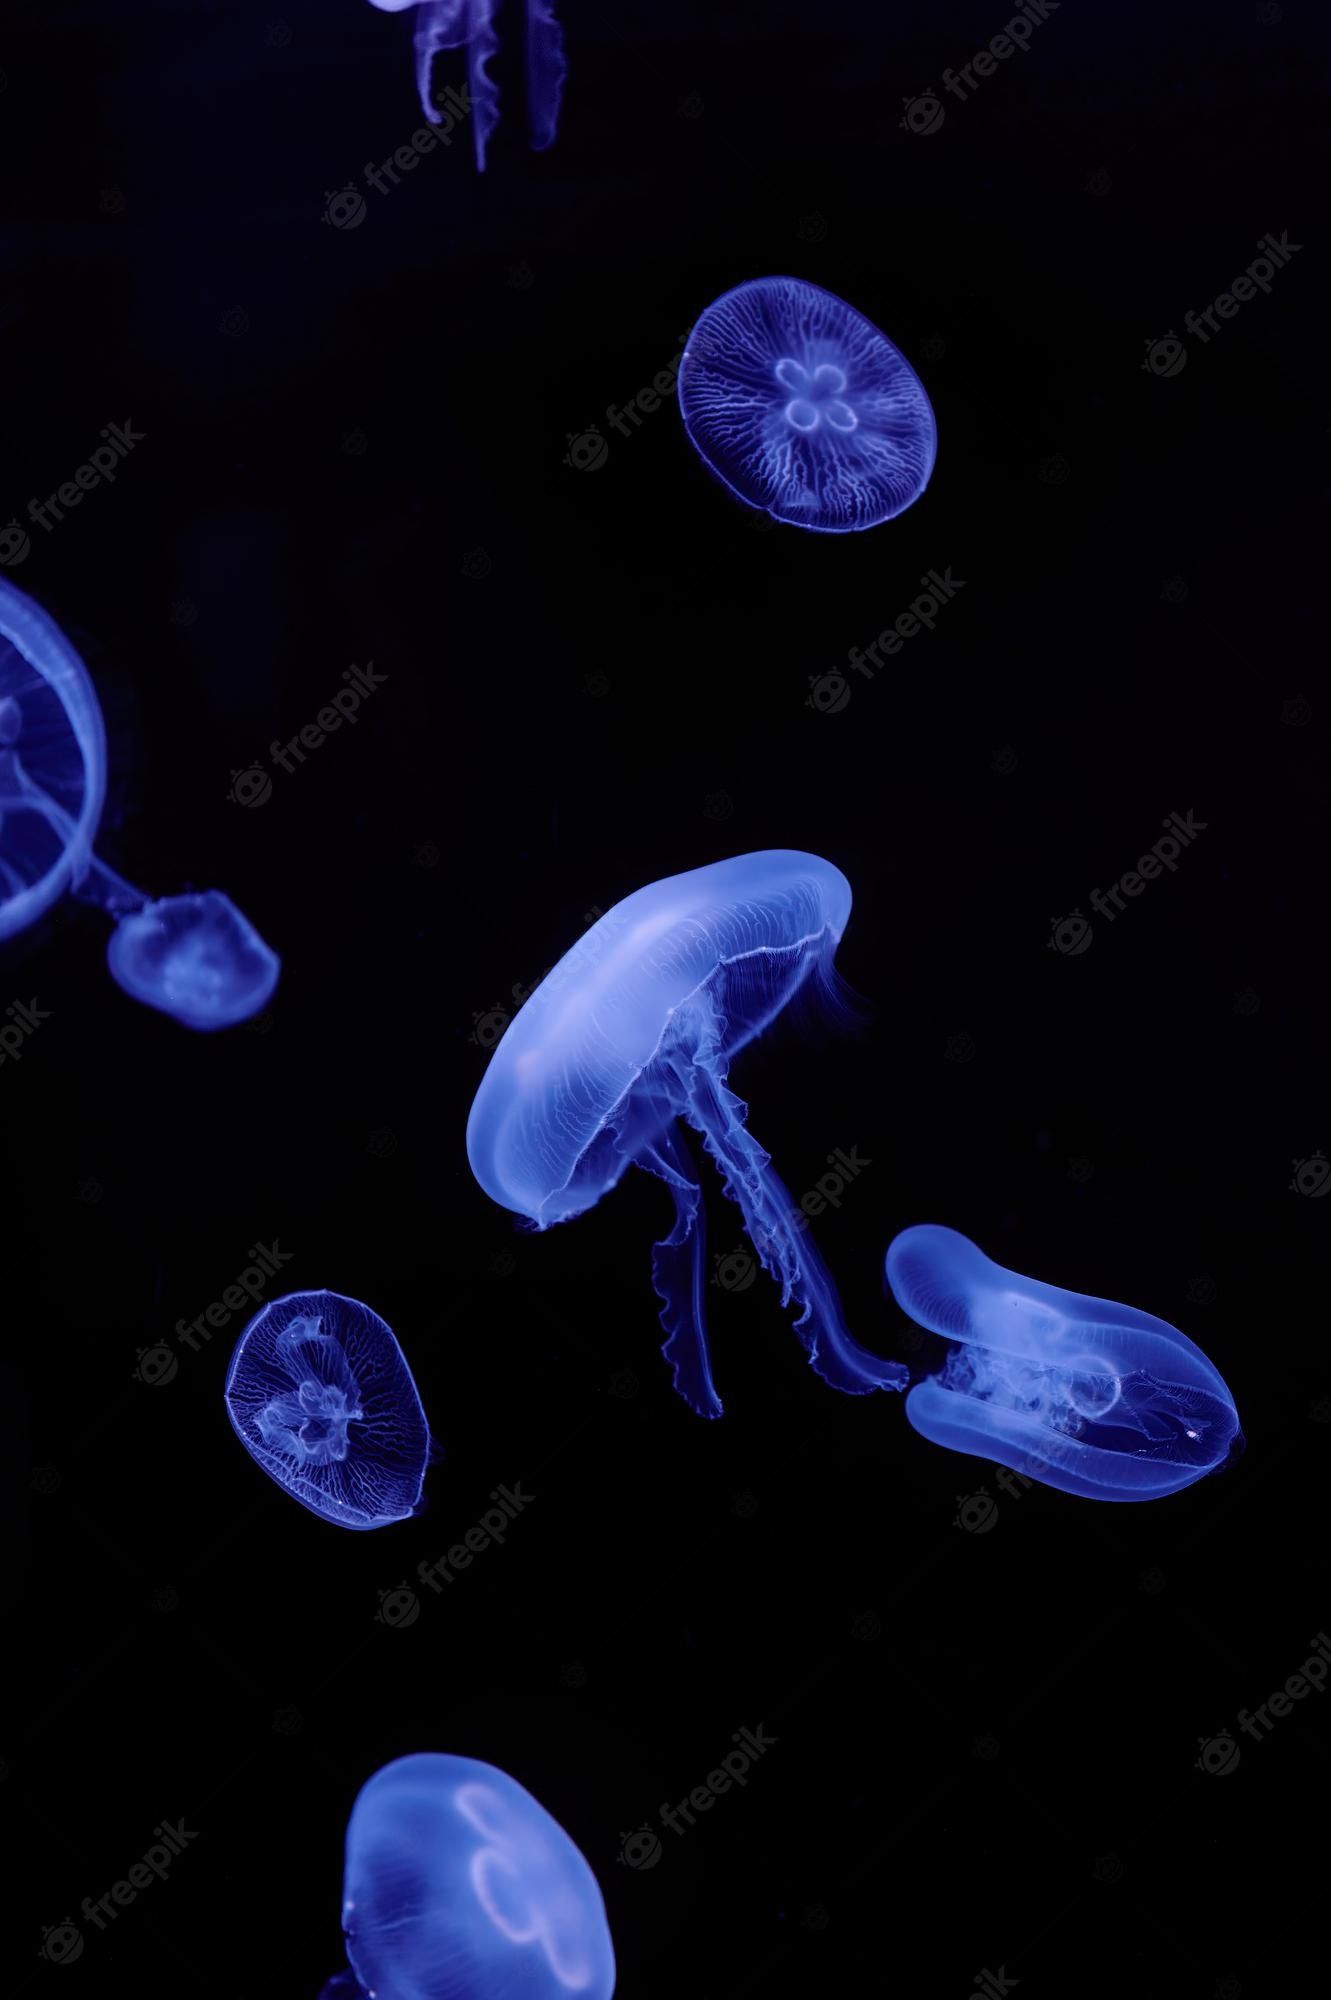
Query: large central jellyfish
(801, 406)
(636, 1028)
(320, 1395)
(459, 1885)
(469, 24)
(194, 956)
(1084, 1394)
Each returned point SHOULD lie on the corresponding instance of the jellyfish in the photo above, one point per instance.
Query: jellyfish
(635, 1030)
(1080, 1393)
(459, 1885)
(469, 24)
(799, 405)
(320, 1395)
(192, 956)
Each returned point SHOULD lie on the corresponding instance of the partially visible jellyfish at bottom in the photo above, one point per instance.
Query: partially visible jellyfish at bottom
(631, 1036)
(1080, 1393)
(469, 24)
(192, 956)
(319, 1393)
(798, 404)
(459, 1885)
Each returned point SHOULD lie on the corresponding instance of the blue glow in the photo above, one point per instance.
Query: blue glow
(460, 1886)
(637, 1027)
(1081, 1393)
(320, 1395)
(195, 956)
(469, 24)
(801, 406)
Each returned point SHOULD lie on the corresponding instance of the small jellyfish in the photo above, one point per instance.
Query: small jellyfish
(801, 406)
(635, 1028)
(1080, 1393)
(459, 1885)
(469, 24)
(320, 1395)
(192, 956)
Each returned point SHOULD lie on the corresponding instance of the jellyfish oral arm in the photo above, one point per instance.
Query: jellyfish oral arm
(457, 24)
(546, 70)
(679, 1275)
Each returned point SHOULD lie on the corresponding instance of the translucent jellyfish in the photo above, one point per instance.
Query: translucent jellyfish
(1080, 1393)
(460, 1886)
(635, 1029)
(801, 406)
(469, 24)
(321, 1397)
(193, 956)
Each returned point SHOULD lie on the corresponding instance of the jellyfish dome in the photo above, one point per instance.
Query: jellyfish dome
(192, 956)
(460, 1886)
(633, 1033)
(800, 406)
(1080, 1393)
(320, 1395)
(469, 25)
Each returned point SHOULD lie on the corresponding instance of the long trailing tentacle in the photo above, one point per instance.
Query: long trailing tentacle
(678, 1275)
(546, 70)
(456, 24)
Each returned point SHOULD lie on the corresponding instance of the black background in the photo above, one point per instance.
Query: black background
(355, 449)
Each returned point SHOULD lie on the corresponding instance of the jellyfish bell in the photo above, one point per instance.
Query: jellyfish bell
(459, 1885)
(192, 956)
(802, 407)
(319, 1393)
(1081, 1393)
(633, 1033)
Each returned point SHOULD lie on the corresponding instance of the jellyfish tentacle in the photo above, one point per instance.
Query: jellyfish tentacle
(679, 1276)
(457, 24)
(778, 1231)
(546, 70)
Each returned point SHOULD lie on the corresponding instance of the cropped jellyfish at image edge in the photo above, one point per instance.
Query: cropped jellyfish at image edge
(320, 1395)
(459, 1885)
(1080, 1393)
(633, 1033)
(469, 24)
(797, 403)
(192, 956)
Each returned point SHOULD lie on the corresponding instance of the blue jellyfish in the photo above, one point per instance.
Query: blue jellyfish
(193, 956)
(469, 24)
(320, 1395)
(1080, 1393)
(637, 1026)
(460, 1886)
(801, 406)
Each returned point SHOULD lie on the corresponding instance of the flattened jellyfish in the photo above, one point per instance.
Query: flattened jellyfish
(635, 1028)
(460, 1886)
(320, 1395)
(194, 956)
(1080, 1393)
(799, 405)
(469, 24)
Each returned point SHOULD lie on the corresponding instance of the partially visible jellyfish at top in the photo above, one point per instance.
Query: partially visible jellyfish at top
(469, 25)
(1080, 1393)
(319, 1393)
(459, 1885)
(627, 1045)
(798, 404)
(193, 956)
